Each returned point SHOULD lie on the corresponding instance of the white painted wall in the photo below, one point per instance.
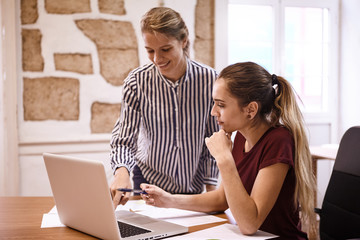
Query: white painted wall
(349, 65)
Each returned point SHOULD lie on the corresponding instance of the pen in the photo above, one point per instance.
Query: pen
(131, 190)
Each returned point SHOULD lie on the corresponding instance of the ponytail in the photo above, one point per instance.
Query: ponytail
(287, 113)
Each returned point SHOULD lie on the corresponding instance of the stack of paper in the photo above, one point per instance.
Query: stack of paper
(181, 217)
(178, 216)
(223, 232)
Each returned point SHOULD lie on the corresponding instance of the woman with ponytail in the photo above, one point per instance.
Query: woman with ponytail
(267, 179)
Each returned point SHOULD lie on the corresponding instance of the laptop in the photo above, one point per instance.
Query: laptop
(83, 201)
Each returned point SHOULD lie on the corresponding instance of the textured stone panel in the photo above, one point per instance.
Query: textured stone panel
(32, 59)
(204, 51)
(204, 19)
(112, 6)
(115, 64)
(29, 11)
(204, 32)
(73, 62)
(51, 98)
(104, 116)
(108, 33)
(67, 6)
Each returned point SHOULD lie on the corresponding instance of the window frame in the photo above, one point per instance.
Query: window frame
(328, 117)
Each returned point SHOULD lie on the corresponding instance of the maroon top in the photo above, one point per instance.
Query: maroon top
(275, 146)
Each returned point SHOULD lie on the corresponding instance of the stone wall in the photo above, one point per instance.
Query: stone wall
(55, 86)
(204, 45)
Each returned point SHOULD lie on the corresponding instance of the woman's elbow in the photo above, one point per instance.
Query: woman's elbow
(248, 229)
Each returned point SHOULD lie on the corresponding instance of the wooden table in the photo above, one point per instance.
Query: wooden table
(327, 151)
(21, 217)
(321, 152)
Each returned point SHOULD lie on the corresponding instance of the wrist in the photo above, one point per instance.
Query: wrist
(173, 200)
(225, 161)
(122, 171)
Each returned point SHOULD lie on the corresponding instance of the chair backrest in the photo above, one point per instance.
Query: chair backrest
(340, 211)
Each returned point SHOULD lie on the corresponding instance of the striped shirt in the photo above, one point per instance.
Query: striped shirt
(162, 127)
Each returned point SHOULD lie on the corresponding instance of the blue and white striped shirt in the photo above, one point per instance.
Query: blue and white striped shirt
(162, 128)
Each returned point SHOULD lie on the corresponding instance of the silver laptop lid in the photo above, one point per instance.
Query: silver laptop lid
(82, 195)
(83, 200)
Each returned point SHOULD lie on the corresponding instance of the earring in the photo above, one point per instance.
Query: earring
(248, 116)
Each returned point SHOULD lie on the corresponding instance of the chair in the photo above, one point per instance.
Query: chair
(340, 210)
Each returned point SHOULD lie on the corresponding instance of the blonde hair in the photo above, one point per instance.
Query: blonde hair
(249, 82)
(166, 21)
(288, 113)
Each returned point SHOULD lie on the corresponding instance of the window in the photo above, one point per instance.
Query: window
(254, 41)
(296, 39)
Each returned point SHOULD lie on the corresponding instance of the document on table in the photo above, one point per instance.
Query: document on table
(51, 219)
(178, 216)
(225, 231)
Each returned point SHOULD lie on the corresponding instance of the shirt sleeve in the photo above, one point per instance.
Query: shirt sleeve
(211, 171)
(125, 133)
(280, 149)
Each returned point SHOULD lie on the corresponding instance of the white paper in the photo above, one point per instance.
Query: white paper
(195, 220)
(223, 232)
(51, 220)
(178, 216)
(230, 216)
(133, 205)
(53, 210)
(182, 217)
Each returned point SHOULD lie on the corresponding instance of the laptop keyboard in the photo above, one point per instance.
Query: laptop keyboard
(127, 230)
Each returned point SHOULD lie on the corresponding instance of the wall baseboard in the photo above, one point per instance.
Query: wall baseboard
(64, 147)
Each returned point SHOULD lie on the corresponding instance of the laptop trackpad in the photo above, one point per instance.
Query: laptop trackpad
(131, 217)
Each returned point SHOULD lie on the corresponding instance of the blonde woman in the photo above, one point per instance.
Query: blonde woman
(165, 117)
(267, 171)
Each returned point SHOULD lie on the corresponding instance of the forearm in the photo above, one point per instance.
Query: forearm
(242, 206)
(121, 180)
(213, 201)
(206, 202)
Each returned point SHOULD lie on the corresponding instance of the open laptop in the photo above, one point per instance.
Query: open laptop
(83, 201)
